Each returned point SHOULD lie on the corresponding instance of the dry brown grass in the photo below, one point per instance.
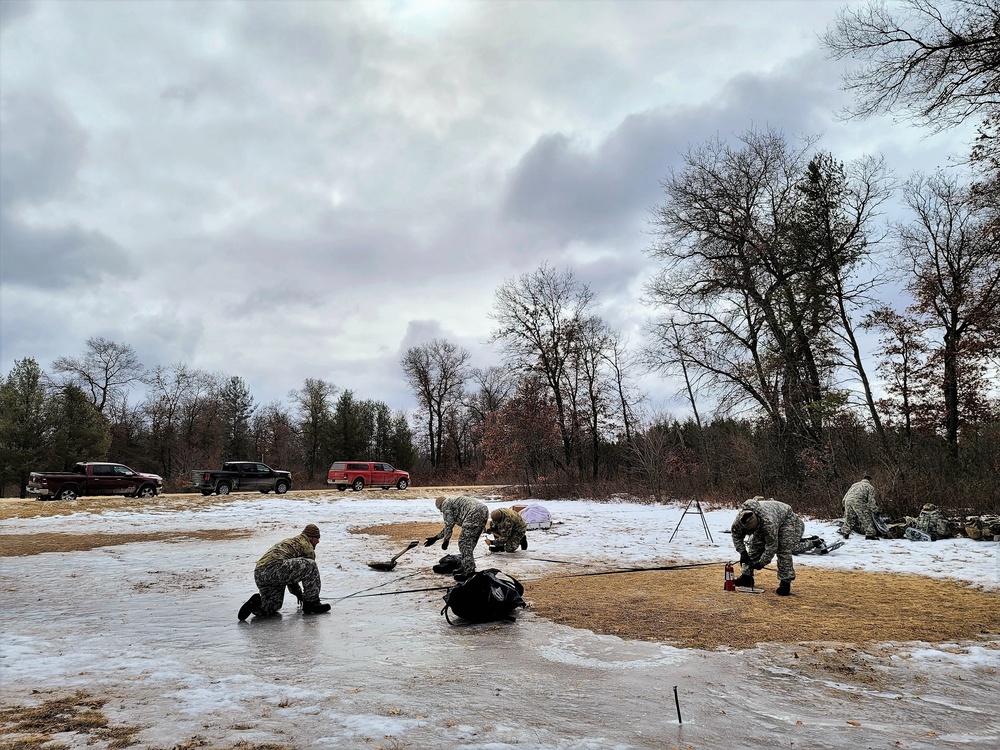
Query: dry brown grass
(19, 545)
(32, 727)
(689, 608)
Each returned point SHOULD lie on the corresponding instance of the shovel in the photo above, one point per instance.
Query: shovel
(390, 564)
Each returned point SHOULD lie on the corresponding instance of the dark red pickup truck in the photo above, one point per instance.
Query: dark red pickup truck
(93, 478)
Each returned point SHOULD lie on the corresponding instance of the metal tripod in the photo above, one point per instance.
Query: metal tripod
(700, 512)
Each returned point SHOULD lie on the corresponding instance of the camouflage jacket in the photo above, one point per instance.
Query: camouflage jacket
(861, 494)
(457, 511)
(771, 514)
(510, 531)
(286, 549)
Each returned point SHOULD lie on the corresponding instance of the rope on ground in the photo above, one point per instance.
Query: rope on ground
(364, 592)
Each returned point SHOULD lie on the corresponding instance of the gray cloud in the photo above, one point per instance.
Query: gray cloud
(41, 150)
(341, 180)
(11, 10)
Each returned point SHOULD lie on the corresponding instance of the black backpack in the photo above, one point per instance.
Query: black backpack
(484, 597)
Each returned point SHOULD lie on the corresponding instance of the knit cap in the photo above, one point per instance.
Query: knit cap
(311, 530)
(748, 520)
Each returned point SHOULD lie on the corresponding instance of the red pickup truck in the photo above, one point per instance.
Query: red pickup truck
(93, 478)
(357, 474)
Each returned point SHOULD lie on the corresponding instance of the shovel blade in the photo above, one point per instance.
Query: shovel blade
(382, 565)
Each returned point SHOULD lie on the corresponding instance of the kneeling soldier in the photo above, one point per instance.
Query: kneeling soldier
(286, 564)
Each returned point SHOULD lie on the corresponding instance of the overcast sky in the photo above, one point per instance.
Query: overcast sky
(282, 190)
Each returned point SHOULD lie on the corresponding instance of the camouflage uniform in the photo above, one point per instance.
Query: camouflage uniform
(779, 532)
(289, 561)
(859, 505)
(471, 515)
(509, 531)
(932, 521)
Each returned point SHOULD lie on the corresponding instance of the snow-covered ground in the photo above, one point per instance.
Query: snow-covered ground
(152, 626)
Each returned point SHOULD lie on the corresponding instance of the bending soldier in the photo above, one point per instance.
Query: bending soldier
(471, 515)
(774, 529)
(859, 509)
(286, 564)
(509, 530)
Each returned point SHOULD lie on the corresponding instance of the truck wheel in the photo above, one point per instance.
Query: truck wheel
(264, 491)
(223, 488)
(206, 493)
(281, 488)
(358, 485)
(402, 484)
(341, 488)
(67, 493)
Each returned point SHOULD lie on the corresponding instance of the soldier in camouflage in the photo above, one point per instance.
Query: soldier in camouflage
(287, 563)
(774, 529)
(859, 508)
(509, 530)
(471, 515)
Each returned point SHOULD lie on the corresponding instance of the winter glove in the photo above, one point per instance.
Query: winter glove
(524, 542)
(430, 541)
(295, 590)
(745, 559)
(444, 544)
(758, 565)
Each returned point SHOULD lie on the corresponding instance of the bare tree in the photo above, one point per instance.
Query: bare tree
(436, 372)
(955, 281)
(937, 61)
(170, 390)
(106, 372)
(622, 364)
(759, 242)
(903, 367)
(538, 316)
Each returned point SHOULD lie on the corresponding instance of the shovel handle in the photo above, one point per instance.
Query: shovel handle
(410, 546)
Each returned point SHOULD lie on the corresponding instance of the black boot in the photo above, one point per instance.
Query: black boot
(744, 580)
(314, 607)
(250, 607)
(784, 588)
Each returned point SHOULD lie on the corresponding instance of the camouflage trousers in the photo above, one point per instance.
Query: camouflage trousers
(857, 517)
(472, 528)
(789, 540)
(272, 579)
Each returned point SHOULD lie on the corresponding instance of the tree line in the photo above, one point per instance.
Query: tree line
(186, 419)
(776, 271)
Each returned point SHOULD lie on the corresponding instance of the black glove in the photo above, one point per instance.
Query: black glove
(295, 590)
(745, 559)
(444, 544)
(524, 542)
(430, 541)
(758, 565)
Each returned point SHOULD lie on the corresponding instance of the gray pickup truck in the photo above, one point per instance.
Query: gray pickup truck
(241, 476)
